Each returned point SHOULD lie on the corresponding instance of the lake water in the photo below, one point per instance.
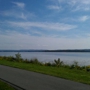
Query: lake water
(67, 57)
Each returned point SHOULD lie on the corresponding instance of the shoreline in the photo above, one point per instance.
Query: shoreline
(73, 72)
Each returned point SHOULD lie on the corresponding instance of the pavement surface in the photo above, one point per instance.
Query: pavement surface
(28, 80)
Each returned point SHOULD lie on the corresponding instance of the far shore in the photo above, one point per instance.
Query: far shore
(35, 50)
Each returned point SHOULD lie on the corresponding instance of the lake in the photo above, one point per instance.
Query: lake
(83, 58)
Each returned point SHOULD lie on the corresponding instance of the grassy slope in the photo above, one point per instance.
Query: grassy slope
(4, 86)
(66, 73)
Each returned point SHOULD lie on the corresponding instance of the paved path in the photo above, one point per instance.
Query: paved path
(35, 81)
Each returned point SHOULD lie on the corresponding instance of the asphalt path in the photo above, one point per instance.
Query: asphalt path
(36, 81)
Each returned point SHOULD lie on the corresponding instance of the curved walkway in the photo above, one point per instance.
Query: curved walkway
(36, 81)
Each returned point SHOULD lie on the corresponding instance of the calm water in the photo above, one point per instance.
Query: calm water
(67, 57)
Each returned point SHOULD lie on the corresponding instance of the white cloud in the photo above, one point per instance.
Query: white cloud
(75, 5)
(87, 8)
(80, 4)
(22, 16)
(85, 1)
(19, 4)
(17, 14)
(15, 40)
(84, 18)
(43, 25)
(20, 12)
(74, 2)
(54, 7)
(13, 13)
(82, 8)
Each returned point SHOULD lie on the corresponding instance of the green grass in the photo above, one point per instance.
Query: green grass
(62, 72)
(4, 86)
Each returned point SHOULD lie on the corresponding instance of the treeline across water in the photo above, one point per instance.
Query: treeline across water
(68, 50)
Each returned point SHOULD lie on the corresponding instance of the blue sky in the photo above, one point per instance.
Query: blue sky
(44, 24)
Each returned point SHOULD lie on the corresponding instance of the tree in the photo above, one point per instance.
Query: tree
(18, 57)
(58, 62)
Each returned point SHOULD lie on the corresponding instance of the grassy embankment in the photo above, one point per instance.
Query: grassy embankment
(58, 68)
(4, 86)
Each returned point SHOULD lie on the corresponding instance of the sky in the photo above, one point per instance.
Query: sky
(44, 24)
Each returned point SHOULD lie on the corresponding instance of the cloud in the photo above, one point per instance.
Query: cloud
(84, 18)
(75, 5)
(81, 8)
(54, 7)
(78, 18)
(85, 1)
(23, 16)
(15, 40)
(43, 25)
(14, 14)
(74, 2)
(80, 5)
(19, 4)
(18, 13)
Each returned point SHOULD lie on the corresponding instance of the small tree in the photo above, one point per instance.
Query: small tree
(76, 64)
(18, 57)
(58, 62)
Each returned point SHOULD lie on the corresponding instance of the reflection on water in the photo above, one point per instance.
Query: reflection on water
(67, 57)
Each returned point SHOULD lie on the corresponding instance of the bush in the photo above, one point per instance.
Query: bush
(26, 61)
(72, 67)
(88, 68)
(83, 67)
(66, 66)
(18, 57)
(34, 61)
(10, 58)
(58, 62)
(48, 64)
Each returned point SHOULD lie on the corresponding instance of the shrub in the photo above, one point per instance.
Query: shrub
(26, 61)
(88, 68)
(72, 67)
(11, 58)
(48, 64)
(58, 62)
(83, 67)
(76, 65)
(18, 57)
(34, 61)
(66, 66)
